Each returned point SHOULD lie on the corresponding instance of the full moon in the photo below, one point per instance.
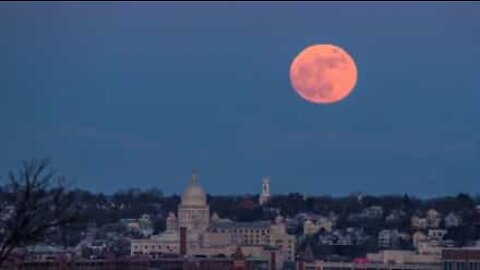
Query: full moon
(323, 73)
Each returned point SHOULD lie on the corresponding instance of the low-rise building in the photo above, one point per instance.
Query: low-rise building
(437, 234)
(373, 212)
(433, 218)
(452, 220)
(418, 223)
(461, 258)
(142, 226)
(395, 216)
(387, 238)
(418, 237)
(310, 227)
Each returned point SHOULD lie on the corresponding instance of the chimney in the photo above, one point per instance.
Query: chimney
(272, 261)
(239, 262)
(300, 265)
(183, 241)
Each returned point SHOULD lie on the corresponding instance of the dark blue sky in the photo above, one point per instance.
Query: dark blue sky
(137, 94)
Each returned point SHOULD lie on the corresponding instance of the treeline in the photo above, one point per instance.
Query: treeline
(132, 203)
(101, 209)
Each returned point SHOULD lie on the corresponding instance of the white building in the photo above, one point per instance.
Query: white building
(142, 226)
(430, 247)
(418, 237)
(387, 238)
(265, 195)
(394, 216)
(433, 218)
(418, 222)
(310, 228)
(213, 236)
(452, 220)
(373, 212)
(325, 223)
(437, 234)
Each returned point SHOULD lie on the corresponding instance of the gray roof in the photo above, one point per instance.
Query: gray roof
(240, 225)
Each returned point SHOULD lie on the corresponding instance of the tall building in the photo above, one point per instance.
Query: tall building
(265, 195)
(194, 212)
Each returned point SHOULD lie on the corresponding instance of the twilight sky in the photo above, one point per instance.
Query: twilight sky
(137, 94)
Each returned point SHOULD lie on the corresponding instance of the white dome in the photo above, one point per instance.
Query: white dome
(194, 194)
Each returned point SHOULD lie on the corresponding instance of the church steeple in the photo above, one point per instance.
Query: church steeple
(265, 195)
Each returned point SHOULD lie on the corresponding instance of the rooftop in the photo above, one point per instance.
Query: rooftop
(246, 225)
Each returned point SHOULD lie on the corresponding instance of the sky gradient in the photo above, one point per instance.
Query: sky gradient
(137, 94)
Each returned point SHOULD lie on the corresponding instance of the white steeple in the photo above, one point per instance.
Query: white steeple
(265, 195)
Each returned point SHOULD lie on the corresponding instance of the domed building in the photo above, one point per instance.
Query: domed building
(211, 236)
(194, 212)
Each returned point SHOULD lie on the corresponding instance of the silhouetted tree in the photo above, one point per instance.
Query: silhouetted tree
(36, 201)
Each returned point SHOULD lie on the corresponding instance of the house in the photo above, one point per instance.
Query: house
(433, 218)
(436, 234)
(357, 235)
(452, 220)
(418, 222)
(418, 237)
(394, 216)
(325, 223)
(373, 212)
(310, 227)
(387, 238)
(430, 247)
(142, 226)
(327, 239)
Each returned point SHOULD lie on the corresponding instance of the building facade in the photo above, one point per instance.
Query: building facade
(265, 195)
(213, 236)
(461, 259)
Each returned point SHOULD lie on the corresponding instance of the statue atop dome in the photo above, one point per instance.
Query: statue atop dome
(194, 194)
(194, 212)
(194, 176)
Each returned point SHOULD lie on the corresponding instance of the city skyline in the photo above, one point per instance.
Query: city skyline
(125, 95)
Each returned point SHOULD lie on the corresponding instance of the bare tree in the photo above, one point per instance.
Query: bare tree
(36, 202)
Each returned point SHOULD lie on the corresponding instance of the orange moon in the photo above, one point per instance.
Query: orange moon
(323, 73)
